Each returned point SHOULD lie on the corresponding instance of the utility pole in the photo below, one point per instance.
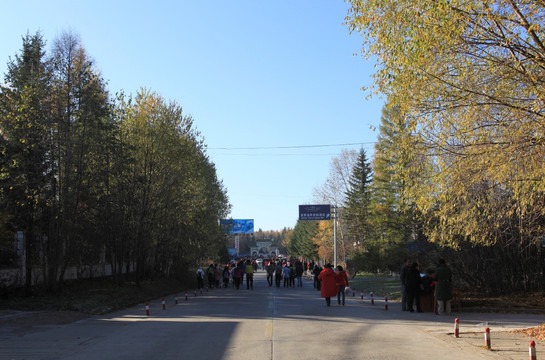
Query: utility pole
(335, 236)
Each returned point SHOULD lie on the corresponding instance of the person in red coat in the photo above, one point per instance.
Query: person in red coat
(329, 283)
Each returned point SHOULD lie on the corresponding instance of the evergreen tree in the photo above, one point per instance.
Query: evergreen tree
(25, 167)
(391, 218)
(358, 199)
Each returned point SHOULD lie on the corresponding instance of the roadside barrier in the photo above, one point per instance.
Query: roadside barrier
(532, 350)
(147, 309)
(386, 302)
(457, 327)
(163, 303)
(487, 338)
(372, 298)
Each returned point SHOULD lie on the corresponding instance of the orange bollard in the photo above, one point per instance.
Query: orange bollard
(147, 309)
(487, 338)
(457, 327)
(163, 303)
(533, 350)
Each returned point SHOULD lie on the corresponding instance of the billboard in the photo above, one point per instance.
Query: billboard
(238, 226)
(314, 212)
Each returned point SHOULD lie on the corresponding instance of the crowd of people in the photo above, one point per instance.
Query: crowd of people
(437, 283)
(332, 282)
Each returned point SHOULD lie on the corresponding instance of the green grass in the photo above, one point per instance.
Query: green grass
(98, 296)
(380, 285)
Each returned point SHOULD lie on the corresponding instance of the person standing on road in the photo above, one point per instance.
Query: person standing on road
(271, 267)
(286, 275)
(443, 286)
(316, 271)
(299, 270)
(249, 270)
(226, 275)
(278, 273)
(413, 287)
(200, 278)
(238, 274)
(210, 274)
(329, 283)
(342, 283)
(403, 278)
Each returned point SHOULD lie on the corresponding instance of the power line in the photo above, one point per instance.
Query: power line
(290, 147)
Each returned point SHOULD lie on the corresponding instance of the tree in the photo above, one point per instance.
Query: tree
(81, 123)
(301, 241)
(25, 164)
(468, 77)
(358, 201)
(333, 192)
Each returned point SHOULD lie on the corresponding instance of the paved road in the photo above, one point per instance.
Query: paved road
(270, 323)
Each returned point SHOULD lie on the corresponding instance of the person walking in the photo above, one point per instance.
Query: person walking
(413, 287)
(278, 273)
(200, 278)
(443, 285)
(249, 271)
(210, 272)
(286, 275)
(238, 274)
(329, 287)
(226, 276)
(271, 267)
(316, 271)
(299, 270)
(342, 283)
(403, 278)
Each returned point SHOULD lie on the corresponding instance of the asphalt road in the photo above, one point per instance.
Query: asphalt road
(269, 323)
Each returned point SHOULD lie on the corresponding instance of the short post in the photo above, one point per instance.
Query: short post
(386, 302)
(147, 309)
(487, 338)
(176, 299)
(372, 298)
(163, 303)
(456, 327)
(361, 297)
(532, 350)
(186, 296)
(195, 293)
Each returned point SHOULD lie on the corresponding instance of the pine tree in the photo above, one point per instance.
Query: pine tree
(358, 199)
(390, 217)
(25, 176)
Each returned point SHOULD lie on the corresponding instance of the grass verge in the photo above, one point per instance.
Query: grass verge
(92, 297)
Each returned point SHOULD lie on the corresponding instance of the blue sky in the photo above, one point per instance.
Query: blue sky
(278, 75)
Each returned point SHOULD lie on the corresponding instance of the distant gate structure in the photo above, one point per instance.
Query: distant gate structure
(264, 249)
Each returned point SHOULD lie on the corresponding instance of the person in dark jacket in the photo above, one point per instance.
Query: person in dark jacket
(317, 283)
(443, 287)
(413, 284)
